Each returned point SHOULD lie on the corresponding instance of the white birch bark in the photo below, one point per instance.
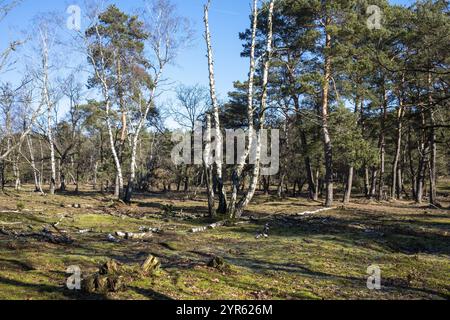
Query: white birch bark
(216, 113)
(241, 162)
(48, 103)
(36, 173)
(256, 169)
(100, 74)
(207, 161)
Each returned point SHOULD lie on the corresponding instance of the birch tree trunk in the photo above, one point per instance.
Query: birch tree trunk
(396, 184)
(349, 185)
(328, 148)
(208, 168)
(36, 173)
(373, 183)
(100, 74)
(237, 173)
(135, 140)
(2, 176)
(256, 169)
(216, 112)
(94, 182)
(433, 146)
(16, 169)
(48, 103)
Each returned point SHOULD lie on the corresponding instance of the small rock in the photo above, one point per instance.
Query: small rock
(111, 238)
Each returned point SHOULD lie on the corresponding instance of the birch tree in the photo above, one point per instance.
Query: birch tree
(109, 50)
(46, 41)
(216, 115)
(235, 208)
(5, 8)
(167, 34)
(237, 173)
(247, 198)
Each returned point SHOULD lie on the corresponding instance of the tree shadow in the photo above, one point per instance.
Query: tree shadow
(294, 268)
(393, 234)
(45, 288)
(154, 295)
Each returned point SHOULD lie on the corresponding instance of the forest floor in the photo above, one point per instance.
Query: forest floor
(319, 256)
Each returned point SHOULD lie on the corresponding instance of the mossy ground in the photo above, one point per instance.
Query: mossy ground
(324, 256)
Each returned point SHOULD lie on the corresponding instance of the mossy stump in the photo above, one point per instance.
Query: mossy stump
(113, 277)
(219, 263)
(150, 265)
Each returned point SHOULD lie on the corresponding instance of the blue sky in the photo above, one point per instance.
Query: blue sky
(227, 19)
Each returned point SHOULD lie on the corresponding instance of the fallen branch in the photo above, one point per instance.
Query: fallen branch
(211, 226)
(132, 235)
(149, 229)
(314, 212)
(9, 223)
(45, 235)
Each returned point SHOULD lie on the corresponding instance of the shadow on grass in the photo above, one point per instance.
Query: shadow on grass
(45, 288)
(151, 294)
(265, 266)
(393, 234)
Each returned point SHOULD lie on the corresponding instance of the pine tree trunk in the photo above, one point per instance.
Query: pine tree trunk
(280, 186)
(396, 171)
(373, 186)
(366, 182)
(382, 146)
(349, 185)
(411, 165)
(2, 176)
(423, 160)
(94, 182)
(317, 190)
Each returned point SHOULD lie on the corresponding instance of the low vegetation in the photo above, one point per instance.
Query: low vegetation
(319, 256)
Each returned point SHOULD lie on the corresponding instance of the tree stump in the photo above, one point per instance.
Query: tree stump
(150, 265)
(109, 268)
(219, 263)
(113, 277)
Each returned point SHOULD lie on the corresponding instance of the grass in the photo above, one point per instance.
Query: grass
(324, 256)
